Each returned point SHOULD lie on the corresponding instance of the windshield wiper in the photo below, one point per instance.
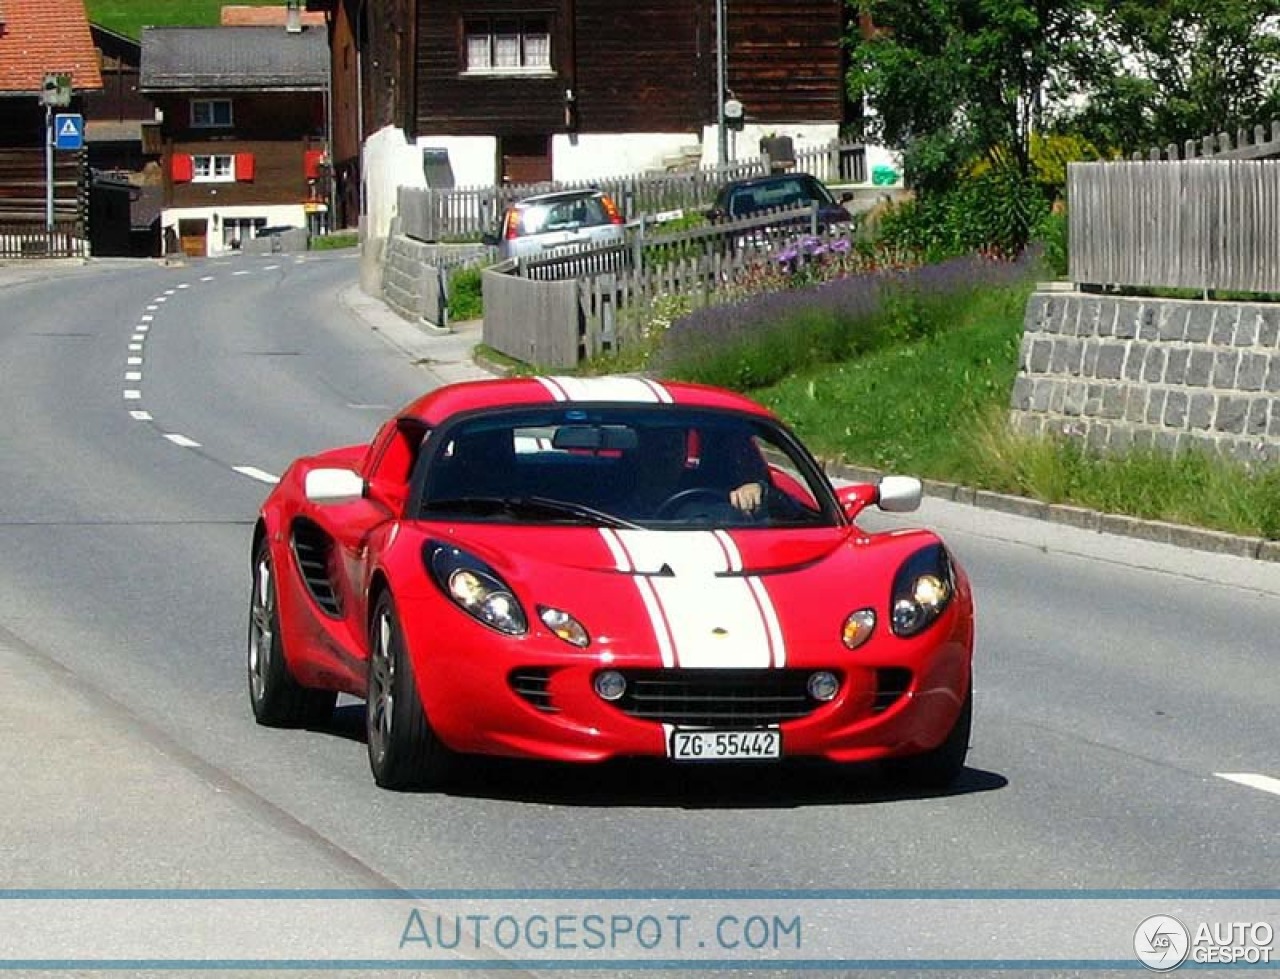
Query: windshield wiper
(530, 506)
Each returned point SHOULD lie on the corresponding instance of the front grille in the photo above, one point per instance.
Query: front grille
(717, 698)
(534, 686)
(892, 683)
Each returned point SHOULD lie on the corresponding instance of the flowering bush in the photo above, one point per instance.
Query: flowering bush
(758, 338)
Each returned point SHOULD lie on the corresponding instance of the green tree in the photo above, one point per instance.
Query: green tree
(949, 82)
(1166, 71)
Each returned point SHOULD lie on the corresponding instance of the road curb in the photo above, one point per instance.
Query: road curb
(1159, 531)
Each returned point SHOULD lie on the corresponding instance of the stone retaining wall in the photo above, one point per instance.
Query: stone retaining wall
(1123, 373)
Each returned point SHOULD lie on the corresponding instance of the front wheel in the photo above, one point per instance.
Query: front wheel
(938, 767)
(404, 752)
(278, 700)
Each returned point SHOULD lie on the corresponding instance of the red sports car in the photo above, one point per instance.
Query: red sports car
(580, 569)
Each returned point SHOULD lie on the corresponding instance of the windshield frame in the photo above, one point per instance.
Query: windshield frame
(828, 515)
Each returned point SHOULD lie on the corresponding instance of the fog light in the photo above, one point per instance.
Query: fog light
(823, 686)
(611, 685)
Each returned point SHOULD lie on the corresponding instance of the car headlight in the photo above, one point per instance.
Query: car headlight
(922, 589)
(475, 588)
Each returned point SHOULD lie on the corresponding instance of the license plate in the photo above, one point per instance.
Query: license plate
(724, 745)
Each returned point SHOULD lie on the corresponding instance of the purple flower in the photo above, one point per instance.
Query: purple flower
(841, 246)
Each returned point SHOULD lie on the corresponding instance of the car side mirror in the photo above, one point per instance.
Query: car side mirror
(893, 494)
(333, 486)
(846, 197)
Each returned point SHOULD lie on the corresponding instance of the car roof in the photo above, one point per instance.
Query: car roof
(442, 403)
(559, 195)
(773, 178)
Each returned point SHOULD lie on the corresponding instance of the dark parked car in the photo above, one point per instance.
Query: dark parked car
(536, 225)
(743, 198)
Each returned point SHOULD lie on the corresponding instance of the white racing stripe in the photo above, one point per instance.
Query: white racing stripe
(1264, 783)
(709, 615)
(634, 389)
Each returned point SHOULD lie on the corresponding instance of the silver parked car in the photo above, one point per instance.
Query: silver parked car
(541, 224)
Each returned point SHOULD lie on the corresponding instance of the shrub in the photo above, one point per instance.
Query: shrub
(466, 294)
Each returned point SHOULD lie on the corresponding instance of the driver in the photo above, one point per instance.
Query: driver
(663, 465)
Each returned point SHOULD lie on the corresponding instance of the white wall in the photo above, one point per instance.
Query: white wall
(474, 159)
(274, 215)
(390, 162)
(745, 145)
(592, 155)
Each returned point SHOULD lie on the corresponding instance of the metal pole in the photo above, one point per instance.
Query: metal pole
(48, 168)
(722, 134)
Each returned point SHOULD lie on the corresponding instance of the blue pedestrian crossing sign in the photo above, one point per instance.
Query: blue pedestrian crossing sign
(68, 131)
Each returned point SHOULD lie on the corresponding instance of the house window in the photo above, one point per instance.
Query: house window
(508, 45)
(235, 231)
(213, 169)
(211, 113)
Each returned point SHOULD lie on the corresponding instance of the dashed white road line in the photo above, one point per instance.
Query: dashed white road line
(270, 268)
(132, 394)
(206, 278)
(135, 347)
(182, 440)
(140, 416)
(1263, 782)
(133, 375)
(242, 272)
(134, 361)
(253, 472)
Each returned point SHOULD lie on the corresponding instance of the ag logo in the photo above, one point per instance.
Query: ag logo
(1161, 943)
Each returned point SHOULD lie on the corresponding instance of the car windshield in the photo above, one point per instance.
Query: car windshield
(561, 215)
(784, 192)
(623, 466)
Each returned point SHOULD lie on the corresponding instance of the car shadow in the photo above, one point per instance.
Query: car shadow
(653, 783)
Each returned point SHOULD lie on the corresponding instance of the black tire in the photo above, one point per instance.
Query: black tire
(404, 752)
(940, 766)
(278, 700)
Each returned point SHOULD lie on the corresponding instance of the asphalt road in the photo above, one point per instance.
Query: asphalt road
(1117, 680)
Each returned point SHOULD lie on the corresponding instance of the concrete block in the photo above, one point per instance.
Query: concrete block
(1172, 322)
(1200, 411)
(1225, 365)
(1041, 393)
(1108, 312)
(1175, 365)
(1113, 402)
(1166, 442)
(1175, 410)
(1148, 328)
(1066, 358)
(1077, 393)
(1143, 439)
(1273, 375)
(1253, 371)
(1199, 322)
(1127, 316)
(1231, 415)
(1269, 550)
(1040, 355)
(1057, 397)
(1246, 327)
(1022, 388)
(1093, 400)
(1273, 424)
(1111, 523)
(1074, 516)
(1121, 440)
(1268, 328)
(1153, 365)
(1089, 359)
(1098, 437)
(1005, 503)
(1256, 421)
(1155, 407)
(1224, 325)
(1135, 409)
(1200, 368)
(1111, 361)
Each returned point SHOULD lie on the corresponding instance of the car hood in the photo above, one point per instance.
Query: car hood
(777, 594)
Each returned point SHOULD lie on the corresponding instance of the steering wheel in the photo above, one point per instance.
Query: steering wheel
(685, 497)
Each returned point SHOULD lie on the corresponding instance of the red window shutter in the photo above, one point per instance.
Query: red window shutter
(244, 166)
(311, 163)
(182, 168)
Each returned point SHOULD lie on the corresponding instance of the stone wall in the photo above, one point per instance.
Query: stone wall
(1120, 373)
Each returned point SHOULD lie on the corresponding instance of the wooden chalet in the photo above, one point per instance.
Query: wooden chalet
(516, 91)
(243, 137)
(39, 38)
